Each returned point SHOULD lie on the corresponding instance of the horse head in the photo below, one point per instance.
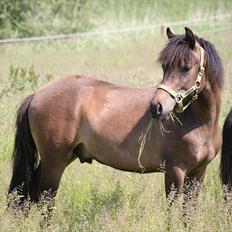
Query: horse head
(183, 60)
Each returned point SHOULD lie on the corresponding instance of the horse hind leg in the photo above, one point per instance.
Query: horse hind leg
(46, 179)
(34, 184)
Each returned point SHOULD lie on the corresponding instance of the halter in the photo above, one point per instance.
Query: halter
(180, 96)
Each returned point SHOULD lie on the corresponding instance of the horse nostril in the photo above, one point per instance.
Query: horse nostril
(156, 109)
(159, 109)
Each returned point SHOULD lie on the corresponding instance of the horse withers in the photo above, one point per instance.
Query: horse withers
(80, 117)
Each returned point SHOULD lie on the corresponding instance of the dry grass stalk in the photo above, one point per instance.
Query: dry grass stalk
(143, 142)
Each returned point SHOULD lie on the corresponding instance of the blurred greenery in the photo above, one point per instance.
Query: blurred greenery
(23, 18)
(20, 18)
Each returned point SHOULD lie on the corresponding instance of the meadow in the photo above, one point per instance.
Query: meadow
(93, 197)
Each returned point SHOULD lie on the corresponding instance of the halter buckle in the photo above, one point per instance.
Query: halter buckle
(195, 97)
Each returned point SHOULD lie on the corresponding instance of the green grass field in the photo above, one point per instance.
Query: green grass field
(95, 197)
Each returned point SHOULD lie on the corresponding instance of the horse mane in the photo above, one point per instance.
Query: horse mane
(177, 51)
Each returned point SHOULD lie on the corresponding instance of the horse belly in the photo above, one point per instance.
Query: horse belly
(125, 156)
(128, 162)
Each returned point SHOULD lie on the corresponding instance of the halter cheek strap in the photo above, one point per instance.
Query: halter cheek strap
(180, 96)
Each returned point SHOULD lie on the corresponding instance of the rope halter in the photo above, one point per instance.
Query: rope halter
(181, 95)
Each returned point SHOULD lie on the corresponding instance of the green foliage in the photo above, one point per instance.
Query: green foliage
(12, 15)
(26, 18)
(19, 79)
(33, 18)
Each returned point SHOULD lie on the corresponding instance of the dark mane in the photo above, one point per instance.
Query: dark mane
(177, 50)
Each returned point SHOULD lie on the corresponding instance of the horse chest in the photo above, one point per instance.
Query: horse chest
(199, 146)
(186, 147)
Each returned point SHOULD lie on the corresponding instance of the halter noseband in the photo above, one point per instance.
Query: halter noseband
(182, 95)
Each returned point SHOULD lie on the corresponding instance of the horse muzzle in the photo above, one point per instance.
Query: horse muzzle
(159, 108)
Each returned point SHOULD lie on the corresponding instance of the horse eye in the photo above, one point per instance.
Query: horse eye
(185, 69)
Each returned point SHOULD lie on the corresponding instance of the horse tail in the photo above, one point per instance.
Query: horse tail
(25, 156)
(226, 153)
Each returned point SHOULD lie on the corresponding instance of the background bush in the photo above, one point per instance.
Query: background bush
(23, 18)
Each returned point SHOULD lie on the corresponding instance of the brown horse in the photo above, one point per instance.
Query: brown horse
(226, 158)
(80, 117)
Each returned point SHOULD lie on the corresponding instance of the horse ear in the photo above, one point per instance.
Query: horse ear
(190, 38)
(169, 33)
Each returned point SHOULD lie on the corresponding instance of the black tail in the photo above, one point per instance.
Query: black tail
(25, 156)
(226, 154)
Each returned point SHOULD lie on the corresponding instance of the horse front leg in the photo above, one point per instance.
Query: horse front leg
(174, 180)
(192, 186)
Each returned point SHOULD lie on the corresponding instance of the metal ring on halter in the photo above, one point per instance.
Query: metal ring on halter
(178, 98)
(198, 84)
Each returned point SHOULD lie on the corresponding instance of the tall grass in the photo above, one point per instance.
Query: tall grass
(95, 197)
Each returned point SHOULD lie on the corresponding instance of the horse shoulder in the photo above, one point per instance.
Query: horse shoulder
(203, 146)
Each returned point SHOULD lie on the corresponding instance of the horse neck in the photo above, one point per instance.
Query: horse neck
(209, 104)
